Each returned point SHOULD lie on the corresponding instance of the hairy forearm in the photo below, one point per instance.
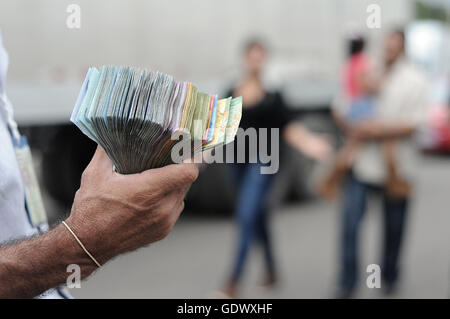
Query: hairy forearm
(111, 214)
(30, 267)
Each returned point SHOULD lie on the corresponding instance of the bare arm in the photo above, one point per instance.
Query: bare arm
(375, 130)
(312, 145)
(112, 214)
(32, 266)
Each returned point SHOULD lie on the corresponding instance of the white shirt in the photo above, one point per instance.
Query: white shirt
(13, 216)
(403, 99)
(14, 222)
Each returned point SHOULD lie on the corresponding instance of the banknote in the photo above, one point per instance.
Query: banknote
(135, 113)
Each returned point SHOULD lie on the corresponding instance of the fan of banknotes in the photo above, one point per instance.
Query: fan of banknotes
(139, 116)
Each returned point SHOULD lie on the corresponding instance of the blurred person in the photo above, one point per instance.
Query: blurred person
(111, 214)
(400, 108)
(360, 84)
(261, 109)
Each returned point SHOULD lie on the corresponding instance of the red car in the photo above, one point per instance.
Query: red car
(435, 137)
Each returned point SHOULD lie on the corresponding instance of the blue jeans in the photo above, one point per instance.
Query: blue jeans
(251, 215)
(354, 208)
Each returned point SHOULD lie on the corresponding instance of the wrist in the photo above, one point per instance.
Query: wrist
(71, 250)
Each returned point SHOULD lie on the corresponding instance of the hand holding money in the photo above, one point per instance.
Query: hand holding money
(133, 115)
(113, 213)
(145, 119)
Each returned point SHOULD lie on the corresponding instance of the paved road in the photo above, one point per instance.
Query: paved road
(193, 261)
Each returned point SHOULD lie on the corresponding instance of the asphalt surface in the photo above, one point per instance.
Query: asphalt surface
(194, 260)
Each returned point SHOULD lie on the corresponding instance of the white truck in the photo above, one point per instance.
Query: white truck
(196, 40)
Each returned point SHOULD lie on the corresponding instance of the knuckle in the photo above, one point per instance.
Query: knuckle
(165, 228)
(181, 208)
(168, 217)
(190, 174)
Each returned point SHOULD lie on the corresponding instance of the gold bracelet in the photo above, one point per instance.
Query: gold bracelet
(81, 244)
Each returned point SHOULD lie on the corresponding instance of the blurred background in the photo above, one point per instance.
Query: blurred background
(202, 41)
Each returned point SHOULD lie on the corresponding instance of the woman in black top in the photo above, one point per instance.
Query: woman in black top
(262, 109)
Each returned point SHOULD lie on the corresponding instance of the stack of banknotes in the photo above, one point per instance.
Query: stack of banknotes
(138, 116)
